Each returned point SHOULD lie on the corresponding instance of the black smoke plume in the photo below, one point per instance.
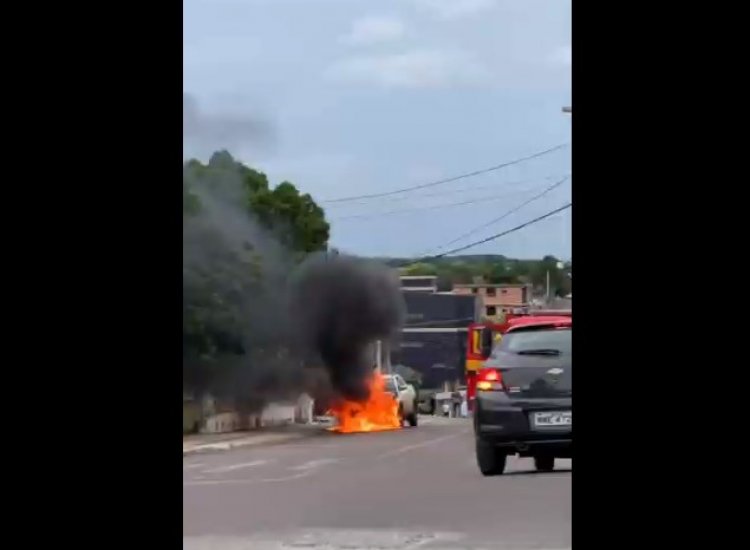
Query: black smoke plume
(344, 305)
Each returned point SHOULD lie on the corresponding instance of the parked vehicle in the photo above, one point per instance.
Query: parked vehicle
(524, 396)
(483, 336)
(407, 398)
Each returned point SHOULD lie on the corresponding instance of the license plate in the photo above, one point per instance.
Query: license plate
(562, 419)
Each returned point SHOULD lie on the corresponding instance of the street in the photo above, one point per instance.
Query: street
(416, 487)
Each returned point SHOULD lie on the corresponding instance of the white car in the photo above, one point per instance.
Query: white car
(406, 395)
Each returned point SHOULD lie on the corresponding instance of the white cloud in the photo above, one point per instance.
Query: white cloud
(415, 69)
(454, 9)
(562, 56)
(375, 29)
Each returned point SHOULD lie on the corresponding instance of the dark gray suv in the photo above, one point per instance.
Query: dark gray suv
(524, 397)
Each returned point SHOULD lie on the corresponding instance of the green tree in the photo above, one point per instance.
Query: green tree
(229, 292)
(420, 268)
(500, 272)
(558, 280)
(296, 219)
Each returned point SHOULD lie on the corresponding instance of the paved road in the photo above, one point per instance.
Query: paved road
(417, 487)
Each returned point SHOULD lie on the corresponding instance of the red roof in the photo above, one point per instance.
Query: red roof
(556, 320)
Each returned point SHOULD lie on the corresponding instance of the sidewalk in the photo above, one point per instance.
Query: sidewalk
(202, 443)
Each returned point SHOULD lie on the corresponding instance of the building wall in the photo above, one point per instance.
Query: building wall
(427, 283)
(495, 300)
(434, 338)
(439, 357)
(439, 310)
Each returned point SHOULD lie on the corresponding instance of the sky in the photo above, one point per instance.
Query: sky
(355, 97)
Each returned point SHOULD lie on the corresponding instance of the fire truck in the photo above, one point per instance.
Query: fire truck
(483, 336)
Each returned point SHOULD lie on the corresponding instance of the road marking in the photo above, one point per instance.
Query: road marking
(314, 464)
(384, 539)
(233, 467)
(408, 448)
(304, 470)
(193, 483)
(194, 465)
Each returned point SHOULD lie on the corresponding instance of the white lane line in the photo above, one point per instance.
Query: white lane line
(314, 464)
(408, 448)
(233, 467)
(194, 465)
(195, 483)
(304, 470)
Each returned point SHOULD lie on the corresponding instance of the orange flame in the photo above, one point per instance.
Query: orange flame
(378, 413)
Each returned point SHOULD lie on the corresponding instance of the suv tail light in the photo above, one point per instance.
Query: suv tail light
(489, 380)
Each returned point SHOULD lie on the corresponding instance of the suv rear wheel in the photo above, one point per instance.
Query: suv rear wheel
(490, 459)
(544, 463)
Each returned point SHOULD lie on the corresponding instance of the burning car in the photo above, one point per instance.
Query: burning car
(406, 396)
(391, 401)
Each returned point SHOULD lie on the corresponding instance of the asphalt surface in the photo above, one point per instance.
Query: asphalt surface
(412, 488)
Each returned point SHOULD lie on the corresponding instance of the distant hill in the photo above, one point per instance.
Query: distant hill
(467, 259)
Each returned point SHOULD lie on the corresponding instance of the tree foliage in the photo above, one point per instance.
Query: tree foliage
(295, 218)
(235, 259)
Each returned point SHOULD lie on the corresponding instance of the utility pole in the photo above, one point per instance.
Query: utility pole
(379, 356)
(558, 266)
(382, 357)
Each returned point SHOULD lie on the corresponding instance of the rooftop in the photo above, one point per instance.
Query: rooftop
(488, 285)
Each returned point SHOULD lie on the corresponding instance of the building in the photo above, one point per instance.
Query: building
(495, 300)
(439, 309)
(433, 340)
(419, 283)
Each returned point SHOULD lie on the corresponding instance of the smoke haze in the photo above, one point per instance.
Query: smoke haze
(204, 132)
(234, 272)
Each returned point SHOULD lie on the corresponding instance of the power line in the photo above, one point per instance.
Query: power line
(498, 235)
(448, 180)
(462, 190)
(432, 207)
(506, 214)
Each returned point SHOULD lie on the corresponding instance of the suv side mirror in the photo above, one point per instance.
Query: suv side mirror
(486, 340)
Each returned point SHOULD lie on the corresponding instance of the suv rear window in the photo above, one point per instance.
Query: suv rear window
(560, 339)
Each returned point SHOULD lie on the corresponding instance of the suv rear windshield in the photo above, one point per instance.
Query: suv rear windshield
(543, 338)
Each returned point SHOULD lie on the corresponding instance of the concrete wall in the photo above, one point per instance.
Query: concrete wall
(191, 416)
(220, 423)
(274, 414)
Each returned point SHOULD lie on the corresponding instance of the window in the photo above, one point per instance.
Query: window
(491, 310)
(543, 338)
(504, 291)
(490, 292)
(474, 290)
